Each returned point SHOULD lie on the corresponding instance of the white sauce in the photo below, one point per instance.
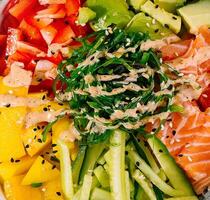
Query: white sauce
(18, 76)
(158, 44)
(15, 101)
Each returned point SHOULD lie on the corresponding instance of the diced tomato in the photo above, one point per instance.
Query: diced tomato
(28, 48)
(14, 35)
(22, 8)
(8, 22)
(204, 99)
(72, 7)
(10, 4)
(48, 33)
(3, 40)
(32, 33)
(55, 59)
(20, 57)
(64, 35)
(39, 23)
(31, 65)
(44, 85)
(172, 51)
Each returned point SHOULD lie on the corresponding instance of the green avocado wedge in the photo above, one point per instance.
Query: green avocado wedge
(109, 12)
(195, 15)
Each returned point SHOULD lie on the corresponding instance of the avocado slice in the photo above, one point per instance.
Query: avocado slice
(167, 19)
(109, 12)
(174, 173)
(170, 5)
(85, 15)
(195, 15)
(136, 4)
(145, 24)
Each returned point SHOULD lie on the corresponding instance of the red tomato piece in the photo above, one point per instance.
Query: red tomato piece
(20, 57)
(64, 35)
(172, 51)
(8, 22)
(3, 40)
(55, 59)
(204, 99)
(22, 8)
(39, 23)
(44, 85)
(72, 7)
(32, 33)
(31, 65)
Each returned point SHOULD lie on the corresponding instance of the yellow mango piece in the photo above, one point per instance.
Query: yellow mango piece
(58, 129)
(11, 123)
(51, 106)
(52, 190)
(17, 91)
(15, 191)
(41, 171)
(32, 139)
(38, 95)
(9, 169)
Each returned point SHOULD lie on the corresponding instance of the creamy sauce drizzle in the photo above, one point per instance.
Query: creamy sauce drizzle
(18, 76)
(14, 101)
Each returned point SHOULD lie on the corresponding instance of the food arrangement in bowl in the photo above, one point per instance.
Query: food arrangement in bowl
(105, 100)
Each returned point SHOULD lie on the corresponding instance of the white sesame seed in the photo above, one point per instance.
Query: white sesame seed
(205, 95)
(176, 54)
(178, 140)
(153, 21)
(10, 92)
(187, 145)
(172, 141)
(162, 34)
(189, 158)
(147, 24)
(43, 189)
(170, 124)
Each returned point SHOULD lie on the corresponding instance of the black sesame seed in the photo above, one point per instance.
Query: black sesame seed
(137, 163)
(47, 152)
(17, 161)
(45, 109)
(54, 145)
(166, 25)
(34, 137)
(35, 129)
(27, 146)
(60, 104)
(55, 151)
(92, 58)
(138, 140)
(173, 132)
(39, 140)
(12, 160)
(146, 15)
(154, 129)
(156, 30)
(38, 127)
(126, 152)
(167, 136)
(37, 20)
(156, 6)
(174, 18)
(43, 98)
(43, 161)
(58, 193)
(180, 155)
(160, 150)
(8, 105)
(66, 22)
(54, 166)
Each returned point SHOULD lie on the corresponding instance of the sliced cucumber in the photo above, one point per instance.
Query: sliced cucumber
(145, 184)
(92, 154)
(116, 164)
(176, 176)
(77, 164)
(102, 176)
(86, 187)
(141, 194)
(66, 171)
(127, 185)
(100, 194)
(183, 198)
(152, 176)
